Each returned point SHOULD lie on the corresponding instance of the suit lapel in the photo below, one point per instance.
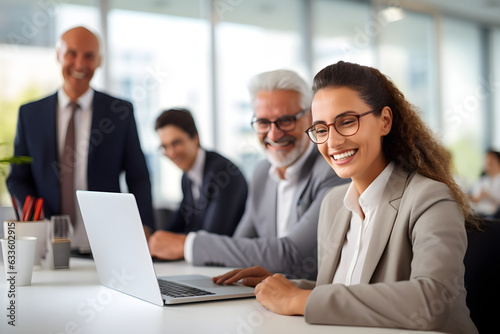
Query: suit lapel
(383, 224)
(97, 114)
(206, 183)
(331, 249)
(271, 194)
(51, 154)
(303, 182)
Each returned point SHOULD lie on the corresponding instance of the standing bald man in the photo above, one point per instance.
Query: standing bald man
(104, 141)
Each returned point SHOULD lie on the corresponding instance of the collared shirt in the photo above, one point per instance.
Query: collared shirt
(83, 122)
(286, 192)
(195, 174)
(360, 231)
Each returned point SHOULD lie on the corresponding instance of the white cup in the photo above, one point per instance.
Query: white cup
(18, 259)
(38, 229)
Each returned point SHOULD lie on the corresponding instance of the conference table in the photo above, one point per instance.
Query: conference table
(72, 301)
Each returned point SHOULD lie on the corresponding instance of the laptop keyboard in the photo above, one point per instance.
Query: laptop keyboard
(176, 290)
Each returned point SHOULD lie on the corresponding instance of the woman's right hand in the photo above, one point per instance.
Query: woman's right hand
(249, 276)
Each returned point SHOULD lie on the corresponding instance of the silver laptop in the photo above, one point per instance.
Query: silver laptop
(122, 257)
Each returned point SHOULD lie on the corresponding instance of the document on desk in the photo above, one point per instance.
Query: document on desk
(122, 257)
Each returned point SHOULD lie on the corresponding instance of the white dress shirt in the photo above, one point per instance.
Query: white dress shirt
(195, 174)
(360, 231)
(83, 122)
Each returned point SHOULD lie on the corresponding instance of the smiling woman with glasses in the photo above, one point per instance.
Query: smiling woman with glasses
(389, 243)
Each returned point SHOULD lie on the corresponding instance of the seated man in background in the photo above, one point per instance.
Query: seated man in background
(279, 226)
(214, 190)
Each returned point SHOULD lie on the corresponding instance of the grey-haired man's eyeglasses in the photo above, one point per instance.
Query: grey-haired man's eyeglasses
(284, 123)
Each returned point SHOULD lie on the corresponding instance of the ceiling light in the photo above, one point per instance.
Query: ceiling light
(392, 14)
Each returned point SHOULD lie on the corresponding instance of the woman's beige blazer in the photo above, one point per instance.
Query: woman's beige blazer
(413, 276)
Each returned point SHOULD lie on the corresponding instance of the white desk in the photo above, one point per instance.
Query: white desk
(72, 301)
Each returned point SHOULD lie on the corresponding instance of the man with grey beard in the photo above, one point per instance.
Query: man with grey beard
(278, 228)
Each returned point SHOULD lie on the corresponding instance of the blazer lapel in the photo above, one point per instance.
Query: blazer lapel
(384, 222)
(271, 194)
(97, 115)
(303, 182)
(331, 248)
(50, 132)
(207, 182)
(48, 153)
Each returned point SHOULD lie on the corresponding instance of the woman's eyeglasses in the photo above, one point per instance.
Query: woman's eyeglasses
(346, 124)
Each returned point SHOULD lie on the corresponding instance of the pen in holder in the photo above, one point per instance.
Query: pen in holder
(62, 231)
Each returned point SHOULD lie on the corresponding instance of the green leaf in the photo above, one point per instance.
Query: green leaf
(14, 160)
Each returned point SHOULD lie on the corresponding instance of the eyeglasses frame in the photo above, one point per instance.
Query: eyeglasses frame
(350, 113)
(295, 117)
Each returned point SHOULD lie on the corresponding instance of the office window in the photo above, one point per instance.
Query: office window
(343, 30)
(494, 80)
(28, 65)
(158, 60)
(406, 54)
(462, 99)
(253, 37)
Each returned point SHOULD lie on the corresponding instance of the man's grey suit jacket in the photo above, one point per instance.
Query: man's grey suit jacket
(255, 240)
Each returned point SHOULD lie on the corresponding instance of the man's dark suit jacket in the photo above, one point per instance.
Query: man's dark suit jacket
(113, 148)
(222, 199)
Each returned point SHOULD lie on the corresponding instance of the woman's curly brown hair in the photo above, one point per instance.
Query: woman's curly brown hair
(410, 142)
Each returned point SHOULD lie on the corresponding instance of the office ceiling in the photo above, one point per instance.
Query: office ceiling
(484, 11)
(270, 11)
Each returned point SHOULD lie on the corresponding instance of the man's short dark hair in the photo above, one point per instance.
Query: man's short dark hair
(181, 118)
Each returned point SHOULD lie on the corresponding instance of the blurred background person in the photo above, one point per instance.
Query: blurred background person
(79, 139)
(485, 194)
(214, 189)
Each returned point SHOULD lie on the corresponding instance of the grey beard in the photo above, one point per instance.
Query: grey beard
(285, 159)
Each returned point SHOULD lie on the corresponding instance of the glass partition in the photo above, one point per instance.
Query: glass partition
(462, 106)
(159, 61)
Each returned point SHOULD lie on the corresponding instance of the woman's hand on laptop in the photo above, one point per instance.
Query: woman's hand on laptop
(249, 276)
(167, 245)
